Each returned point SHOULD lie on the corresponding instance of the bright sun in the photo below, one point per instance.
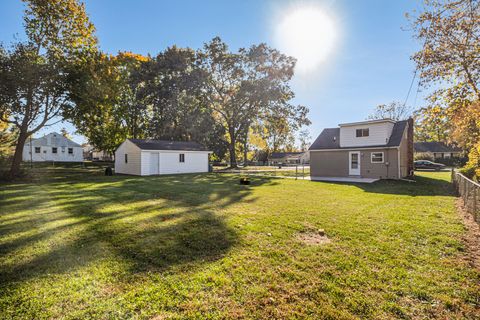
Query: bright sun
(308, 34)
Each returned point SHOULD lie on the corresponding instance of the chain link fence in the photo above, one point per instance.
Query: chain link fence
(469, 190)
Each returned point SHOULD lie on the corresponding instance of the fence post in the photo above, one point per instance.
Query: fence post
(474, 203)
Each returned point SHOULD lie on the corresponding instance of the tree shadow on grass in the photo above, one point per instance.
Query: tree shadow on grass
(149, 223)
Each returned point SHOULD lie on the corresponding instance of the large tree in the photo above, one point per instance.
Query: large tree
(450, 33)
(394, 110)
(242, 87)
(33, 77)
(431, 124)
(450, 63)
(97, 89)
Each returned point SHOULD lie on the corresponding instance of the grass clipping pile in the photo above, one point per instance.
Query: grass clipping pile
(314, 237)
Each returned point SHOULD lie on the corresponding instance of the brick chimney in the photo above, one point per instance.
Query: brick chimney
(410, 146)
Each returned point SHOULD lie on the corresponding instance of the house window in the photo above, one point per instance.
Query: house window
(63, 149)
(126, 158)
(37, 149)
(54, 150)
(377, 157)
(363, 132)
(181, 157)
(70, 150)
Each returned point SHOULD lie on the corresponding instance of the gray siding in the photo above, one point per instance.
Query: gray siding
(336, 164)
(329, 163)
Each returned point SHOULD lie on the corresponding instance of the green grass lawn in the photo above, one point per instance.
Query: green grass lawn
(76, 244)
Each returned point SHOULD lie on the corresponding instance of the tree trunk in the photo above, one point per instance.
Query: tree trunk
(245, 153)
(232, 151)
(17, 157)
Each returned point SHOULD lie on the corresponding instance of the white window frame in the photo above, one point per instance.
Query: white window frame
(383, 157)
(362, 131)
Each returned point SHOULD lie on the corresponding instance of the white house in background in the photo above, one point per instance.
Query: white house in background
(52, 147)
(152, 157)
(289, 158)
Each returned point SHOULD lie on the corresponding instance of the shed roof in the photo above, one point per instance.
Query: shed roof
(279, 155)
(149, 144)
(330, 138)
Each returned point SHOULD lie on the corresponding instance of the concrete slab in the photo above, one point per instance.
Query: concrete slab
(345, 179)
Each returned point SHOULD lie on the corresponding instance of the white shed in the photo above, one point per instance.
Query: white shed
(152, 157)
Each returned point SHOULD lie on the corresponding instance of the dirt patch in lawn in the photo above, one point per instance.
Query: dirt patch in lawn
(472, 235)
(314, 237)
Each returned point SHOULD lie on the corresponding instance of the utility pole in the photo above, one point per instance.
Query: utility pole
(31, 153)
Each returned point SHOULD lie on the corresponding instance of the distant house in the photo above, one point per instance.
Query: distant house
(153, 157)
(378, 149)
(437, 150)
(288, 158)
(52, 147)
(92, 154)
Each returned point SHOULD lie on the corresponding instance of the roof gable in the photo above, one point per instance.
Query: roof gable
(330, 138)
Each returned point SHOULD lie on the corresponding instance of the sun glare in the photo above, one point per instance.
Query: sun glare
(308, 34)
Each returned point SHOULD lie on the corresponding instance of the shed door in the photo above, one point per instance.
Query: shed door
(354, 163)
(154, 162)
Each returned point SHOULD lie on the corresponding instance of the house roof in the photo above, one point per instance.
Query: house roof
(279, 155)
(52, 139)
(330, 138)
(434, 146)
(148, 144)
(366, 122)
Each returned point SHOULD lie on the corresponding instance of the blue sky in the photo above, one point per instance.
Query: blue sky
(369, 64)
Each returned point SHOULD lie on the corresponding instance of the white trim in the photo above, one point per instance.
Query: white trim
(383, 157)
(365, 122)
(181, 151)
(351, 171)
(356, 148)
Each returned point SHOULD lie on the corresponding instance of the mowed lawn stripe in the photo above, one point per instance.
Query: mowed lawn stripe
(76, 244)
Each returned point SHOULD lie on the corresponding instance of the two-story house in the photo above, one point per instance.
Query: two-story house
(378, 149)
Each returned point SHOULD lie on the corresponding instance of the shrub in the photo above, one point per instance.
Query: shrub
(453, 161)
(472, 168)
(468, 172)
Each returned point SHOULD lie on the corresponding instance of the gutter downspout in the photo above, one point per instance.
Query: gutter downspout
(398, 162)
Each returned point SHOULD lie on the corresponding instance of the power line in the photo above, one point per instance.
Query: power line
(410, 88)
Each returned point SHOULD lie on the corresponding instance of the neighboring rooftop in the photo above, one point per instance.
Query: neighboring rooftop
(148, 144)
(279, 155)
(434, 146)
(52, 139)
(330, 137)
